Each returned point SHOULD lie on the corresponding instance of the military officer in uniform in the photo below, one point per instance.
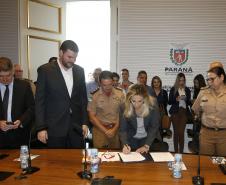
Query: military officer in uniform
(210, 105)
(104, 112)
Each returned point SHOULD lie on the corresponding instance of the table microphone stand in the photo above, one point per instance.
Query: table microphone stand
(30, 169)
(198, 180)
(85, 174)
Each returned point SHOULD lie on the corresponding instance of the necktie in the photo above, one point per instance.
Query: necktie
(5, 101)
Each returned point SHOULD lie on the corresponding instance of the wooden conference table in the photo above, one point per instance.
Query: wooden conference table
(60, 167)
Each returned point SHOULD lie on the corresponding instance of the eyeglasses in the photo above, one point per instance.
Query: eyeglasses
(108, 155)
(211, 79)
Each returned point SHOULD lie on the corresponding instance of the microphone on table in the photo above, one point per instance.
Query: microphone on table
(85, 174)
(30, 169)
(198, 180)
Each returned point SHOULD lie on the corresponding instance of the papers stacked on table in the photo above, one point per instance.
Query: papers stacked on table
(131, 157)
(162, 156)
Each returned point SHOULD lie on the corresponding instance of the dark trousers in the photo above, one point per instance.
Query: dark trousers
(179, 121)
(74, 139)
(12, 139)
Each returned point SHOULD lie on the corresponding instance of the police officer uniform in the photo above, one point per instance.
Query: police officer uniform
(212, 109)
(106, 108)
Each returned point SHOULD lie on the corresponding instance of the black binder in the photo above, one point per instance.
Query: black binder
(4, 175)
(106, 181)
(2, 156)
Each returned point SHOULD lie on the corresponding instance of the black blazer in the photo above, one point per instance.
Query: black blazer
(23, 110)
(175, 104)
(162, 99)
(128, 127)
(55, 110)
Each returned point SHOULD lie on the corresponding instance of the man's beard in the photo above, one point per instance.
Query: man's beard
(67, 65)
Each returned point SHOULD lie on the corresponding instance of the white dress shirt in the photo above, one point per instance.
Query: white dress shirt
(68, 77)
(182, 102)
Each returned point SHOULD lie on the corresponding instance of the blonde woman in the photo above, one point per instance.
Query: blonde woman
(139, 121)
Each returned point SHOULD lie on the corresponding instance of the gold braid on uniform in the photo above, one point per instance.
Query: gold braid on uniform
(118, 88)
(93, 92)
(204, 88)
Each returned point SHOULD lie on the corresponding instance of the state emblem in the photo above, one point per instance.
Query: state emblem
(179, 56)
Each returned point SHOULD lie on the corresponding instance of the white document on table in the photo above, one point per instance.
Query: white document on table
(32, 157)
(183, 166)
(108, 156)
(131, 157)
(162, 156)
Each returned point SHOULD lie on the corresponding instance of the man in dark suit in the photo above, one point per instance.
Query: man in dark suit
(61, 101)
(16, 107)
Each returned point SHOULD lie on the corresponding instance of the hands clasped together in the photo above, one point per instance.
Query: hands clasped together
(5, 126)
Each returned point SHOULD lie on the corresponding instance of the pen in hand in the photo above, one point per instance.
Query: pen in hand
(126, 149)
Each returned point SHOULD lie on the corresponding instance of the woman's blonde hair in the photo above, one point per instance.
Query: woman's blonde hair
(177, 81)
(137, 89)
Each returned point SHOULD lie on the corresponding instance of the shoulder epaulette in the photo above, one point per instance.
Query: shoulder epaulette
(93, 92)
(204, 88)
(118, 88)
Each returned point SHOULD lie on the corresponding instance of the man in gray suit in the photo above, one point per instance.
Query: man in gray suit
(61, 101)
